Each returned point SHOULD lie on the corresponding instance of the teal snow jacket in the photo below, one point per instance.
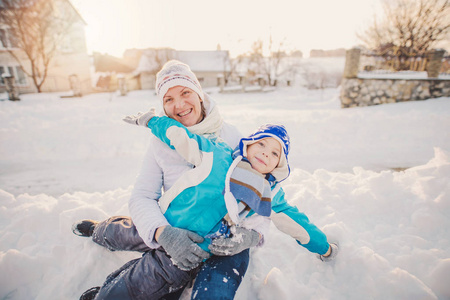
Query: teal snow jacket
(196, 202)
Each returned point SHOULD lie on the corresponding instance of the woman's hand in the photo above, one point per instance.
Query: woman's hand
(141, 119)
(181, 245)
(240, 240)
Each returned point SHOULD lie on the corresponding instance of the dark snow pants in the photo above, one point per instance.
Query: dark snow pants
(153, 276)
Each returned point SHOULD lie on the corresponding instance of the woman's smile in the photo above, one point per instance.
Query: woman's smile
(184, 113)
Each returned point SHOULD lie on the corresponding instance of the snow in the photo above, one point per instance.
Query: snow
(405, 75)
(376, 179)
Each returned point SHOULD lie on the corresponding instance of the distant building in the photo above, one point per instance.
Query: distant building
(71, 58)
(327, 53)
(296, 53)
(208, 66)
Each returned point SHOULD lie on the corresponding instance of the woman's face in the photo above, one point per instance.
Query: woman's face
(184, 105)
(264, 155)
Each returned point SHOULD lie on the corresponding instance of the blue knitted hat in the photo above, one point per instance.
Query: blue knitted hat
(278, 132)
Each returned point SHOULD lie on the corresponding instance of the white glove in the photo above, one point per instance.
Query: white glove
(141, 119)
(334, 247)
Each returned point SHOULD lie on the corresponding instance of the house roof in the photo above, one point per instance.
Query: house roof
(109, 63)
(205, 61)
(67, 1)
(198, 61)
(77, 12)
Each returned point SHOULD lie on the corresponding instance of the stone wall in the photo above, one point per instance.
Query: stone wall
(359, 91)
(365, 91)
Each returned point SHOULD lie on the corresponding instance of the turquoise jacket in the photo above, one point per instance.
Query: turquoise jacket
(196, 203)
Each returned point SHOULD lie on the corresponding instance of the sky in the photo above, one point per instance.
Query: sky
(116, 25)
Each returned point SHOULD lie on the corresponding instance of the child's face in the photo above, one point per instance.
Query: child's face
(264, 155)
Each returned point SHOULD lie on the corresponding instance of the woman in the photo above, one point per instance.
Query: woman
(183, 100)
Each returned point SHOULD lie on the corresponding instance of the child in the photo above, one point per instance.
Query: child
(196, 201)
(249, 185)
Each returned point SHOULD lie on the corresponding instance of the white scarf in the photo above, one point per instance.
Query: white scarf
(212, 123)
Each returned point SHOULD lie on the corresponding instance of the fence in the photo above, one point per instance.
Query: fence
(401, 61)
(387, 63)
(364, 88)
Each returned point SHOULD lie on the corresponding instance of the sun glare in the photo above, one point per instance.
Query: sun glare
(114, 26)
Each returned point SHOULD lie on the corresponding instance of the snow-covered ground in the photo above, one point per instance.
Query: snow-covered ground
(376, 179)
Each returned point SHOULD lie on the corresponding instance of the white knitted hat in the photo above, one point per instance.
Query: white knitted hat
(176, 73)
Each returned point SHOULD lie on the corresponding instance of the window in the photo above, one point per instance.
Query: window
(16, 71)
(2, 70)
(65, 45)
(13, 43)
(11, 71)
(7, 39)
(20, 78)
(3, 39)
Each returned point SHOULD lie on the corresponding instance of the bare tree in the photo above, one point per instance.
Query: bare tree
(267, 66)
(230, 67)
(408, 28)
(37, 28)
(161, 56)
(273, 62)
(255, 59)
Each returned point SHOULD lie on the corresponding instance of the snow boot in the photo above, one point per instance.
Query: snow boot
(84, 227)
(90, 293)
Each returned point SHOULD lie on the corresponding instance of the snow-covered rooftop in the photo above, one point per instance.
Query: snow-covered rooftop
(205, 61)
(407, 75)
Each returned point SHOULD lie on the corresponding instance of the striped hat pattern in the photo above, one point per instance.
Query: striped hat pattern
(176, 73)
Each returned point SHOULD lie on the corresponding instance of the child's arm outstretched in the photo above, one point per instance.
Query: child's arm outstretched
(174, 134)
(291, 221)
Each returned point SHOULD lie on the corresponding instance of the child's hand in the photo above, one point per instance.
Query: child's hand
(331, 254)
(141, 119)
(240, 240)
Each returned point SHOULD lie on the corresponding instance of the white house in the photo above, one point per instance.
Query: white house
(207, 65)
(71, 58)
